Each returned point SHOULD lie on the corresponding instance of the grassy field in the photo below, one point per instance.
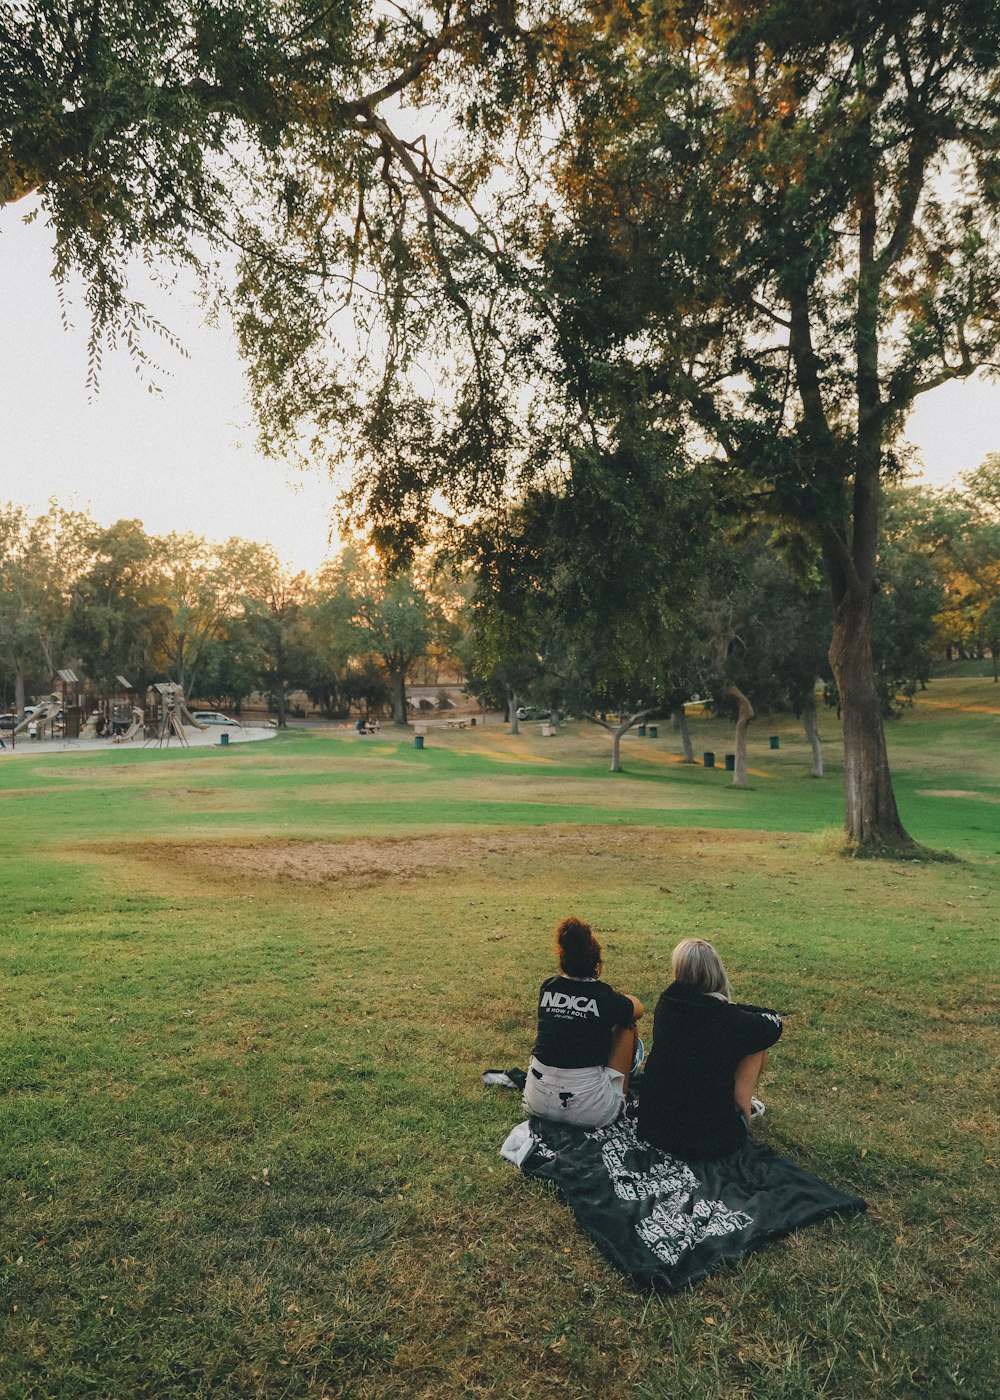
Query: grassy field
(248, 995)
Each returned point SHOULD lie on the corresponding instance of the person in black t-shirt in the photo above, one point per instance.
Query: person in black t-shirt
(580, 1065)
(708, 1053)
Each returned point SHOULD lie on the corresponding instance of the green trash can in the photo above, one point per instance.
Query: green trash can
(730, 763)
(224, 740)
(418, 741)
(652, 731)
(708, 759)
(775, 741)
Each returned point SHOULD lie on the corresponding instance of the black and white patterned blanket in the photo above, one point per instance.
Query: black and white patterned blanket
(665, 1222)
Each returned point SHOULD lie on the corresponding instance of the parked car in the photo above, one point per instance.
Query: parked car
(529, 712)
(7, 721)
(214, 717)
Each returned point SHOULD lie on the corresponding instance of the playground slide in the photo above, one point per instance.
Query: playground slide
(46, 711)
(189, 718)
(137, 723)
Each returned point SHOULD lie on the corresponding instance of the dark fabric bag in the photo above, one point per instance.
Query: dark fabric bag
(664, 1222)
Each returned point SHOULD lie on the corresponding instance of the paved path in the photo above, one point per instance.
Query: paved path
(197, 739)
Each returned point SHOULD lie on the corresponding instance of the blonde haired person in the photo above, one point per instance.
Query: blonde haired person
(587, 1042)
(708, 1053)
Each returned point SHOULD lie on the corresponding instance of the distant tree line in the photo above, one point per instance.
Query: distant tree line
(617, 597)
(220, 620)
(605, 599)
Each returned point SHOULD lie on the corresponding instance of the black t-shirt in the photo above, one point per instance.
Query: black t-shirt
(575, 1021)
(686, 1103)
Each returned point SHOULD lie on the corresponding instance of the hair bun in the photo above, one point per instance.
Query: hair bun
(574, 933)
(578, 950)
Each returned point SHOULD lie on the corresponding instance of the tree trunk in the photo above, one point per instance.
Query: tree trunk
(742, 725)
(812, 734)
(616, 745)
(681, 725)
(398, 679)
(617, 731)
(871, 820)
(279, 696)
(512, 711)
(19, 693)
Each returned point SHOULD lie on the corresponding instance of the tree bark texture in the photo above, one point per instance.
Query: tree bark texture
(398, 680)
(871, 818)
(745, 715)
(512, 711)
(680, 723)
(812, 734)
(616, 746)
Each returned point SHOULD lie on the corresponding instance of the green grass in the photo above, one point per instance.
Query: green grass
(247, 997)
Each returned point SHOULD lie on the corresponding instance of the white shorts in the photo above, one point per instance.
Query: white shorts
(590, 1097)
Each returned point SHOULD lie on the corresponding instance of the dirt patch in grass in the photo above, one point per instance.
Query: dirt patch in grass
(182, 792)
(959, 706)
(362, 863)
(958, 792)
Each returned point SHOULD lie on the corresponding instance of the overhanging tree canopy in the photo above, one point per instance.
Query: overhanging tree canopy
(267, 146)
(778, 224)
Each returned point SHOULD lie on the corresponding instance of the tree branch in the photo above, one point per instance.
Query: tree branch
(806, 362)
(366, 104)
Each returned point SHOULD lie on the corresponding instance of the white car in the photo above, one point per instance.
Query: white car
(214, 717)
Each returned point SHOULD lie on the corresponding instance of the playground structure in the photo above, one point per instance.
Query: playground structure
(97, 726)
(46, 715)
(55, 712)
(118, 718)
(166, 715)
(138, 722)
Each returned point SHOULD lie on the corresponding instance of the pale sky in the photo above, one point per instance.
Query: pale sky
(184, 459)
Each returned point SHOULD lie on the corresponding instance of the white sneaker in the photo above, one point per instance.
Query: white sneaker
(757, 1109)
